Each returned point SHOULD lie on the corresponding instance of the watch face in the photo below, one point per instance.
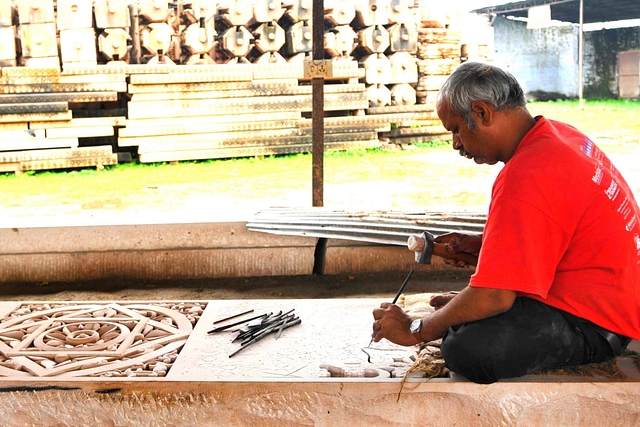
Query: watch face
(415, 326)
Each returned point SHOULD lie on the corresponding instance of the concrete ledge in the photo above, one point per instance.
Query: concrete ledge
(338, 403)
(181, 250)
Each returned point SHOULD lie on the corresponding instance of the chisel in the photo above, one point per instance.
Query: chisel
(406, 280)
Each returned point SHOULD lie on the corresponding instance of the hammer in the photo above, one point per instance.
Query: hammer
(424, 246)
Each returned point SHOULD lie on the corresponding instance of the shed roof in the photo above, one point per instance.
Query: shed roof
(569, 10)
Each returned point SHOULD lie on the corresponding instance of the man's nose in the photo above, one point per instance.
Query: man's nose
(457, 144)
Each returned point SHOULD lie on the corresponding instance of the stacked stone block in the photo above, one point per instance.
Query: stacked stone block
(7, 34)
(235, 40)
(298, 35)
(39, 130)
(438, 56)
(475, 53)
(170, 58)
(37, 30)
(199, 34)
(418, 96)
(387, 43)
(113, 23)
(158, 39)
(77, 35)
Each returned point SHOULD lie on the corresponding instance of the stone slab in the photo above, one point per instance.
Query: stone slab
(332, 332)
(277, 382)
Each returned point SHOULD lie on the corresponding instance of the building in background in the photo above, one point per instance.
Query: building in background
(546, 59)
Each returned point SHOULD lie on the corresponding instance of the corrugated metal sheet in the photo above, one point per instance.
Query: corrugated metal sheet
(385, 227)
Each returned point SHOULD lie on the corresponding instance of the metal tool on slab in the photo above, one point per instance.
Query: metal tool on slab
(425, 246)
(260, 329)
(222, 328)
(257, 327)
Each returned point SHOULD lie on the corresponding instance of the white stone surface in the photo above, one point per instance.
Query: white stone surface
(332, 331)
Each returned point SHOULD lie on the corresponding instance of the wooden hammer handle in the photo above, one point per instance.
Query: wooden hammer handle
(441, 250)
(416, 244)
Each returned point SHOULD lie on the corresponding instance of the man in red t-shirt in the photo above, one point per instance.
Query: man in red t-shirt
(558, 275)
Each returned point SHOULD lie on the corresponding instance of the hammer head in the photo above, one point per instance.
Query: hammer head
(422, 245)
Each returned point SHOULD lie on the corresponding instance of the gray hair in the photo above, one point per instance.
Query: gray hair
(475, 81)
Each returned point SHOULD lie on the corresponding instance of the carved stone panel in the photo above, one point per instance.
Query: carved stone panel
(95, 339)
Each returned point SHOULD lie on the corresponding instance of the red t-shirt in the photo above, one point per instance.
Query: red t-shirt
(563, 228)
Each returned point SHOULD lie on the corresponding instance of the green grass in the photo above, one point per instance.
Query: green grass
(594, 117)
(118, 186)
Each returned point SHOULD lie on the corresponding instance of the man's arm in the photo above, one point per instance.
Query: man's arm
(472, 304)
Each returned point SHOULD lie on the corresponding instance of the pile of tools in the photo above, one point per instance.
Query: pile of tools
(257, 327)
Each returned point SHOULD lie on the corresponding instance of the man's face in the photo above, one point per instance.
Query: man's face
(471, 143)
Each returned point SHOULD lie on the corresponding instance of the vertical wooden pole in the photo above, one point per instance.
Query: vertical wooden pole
(317, 115)
(317, 126)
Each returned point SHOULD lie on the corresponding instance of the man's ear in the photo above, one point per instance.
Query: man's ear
(484, 111)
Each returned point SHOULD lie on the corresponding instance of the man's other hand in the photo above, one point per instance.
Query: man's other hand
(460, 242)
(439, 301)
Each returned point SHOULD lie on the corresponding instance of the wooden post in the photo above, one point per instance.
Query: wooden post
(317, 126)
(317, 117)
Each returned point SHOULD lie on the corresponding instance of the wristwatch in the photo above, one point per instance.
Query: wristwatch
(415, 327)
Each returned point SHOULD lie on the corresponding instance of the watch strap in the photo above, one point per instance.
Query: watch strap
(416, 332)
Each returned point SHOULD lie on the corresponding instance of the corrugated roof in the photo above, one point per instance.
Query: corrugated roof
(568, 10)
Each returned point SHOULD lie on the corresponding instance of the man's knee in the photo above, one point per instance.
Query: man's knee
(474, 360)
